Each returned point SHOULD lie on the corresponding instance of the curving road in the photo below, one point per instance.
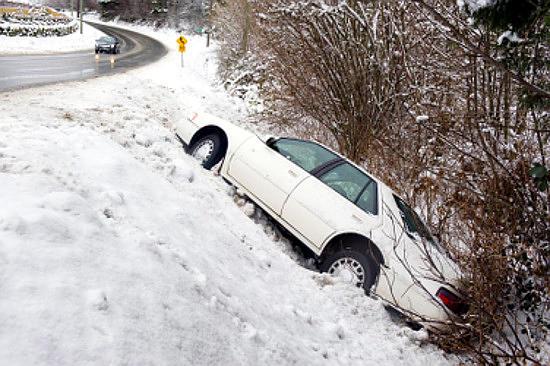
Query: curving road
(19, 71)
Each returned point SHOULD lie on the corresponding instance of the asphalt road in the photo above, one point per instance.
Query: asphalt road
(19, 71)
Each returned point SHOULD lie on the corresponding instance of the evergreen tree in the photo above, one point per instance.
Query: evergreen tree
(515, 15)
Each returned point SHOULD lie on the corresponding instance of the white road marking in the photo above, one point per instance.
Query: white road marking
(40, 57)
(34, 76)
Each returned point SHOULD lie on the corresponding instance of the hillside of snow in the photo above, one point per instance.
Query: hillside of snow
(117, 248)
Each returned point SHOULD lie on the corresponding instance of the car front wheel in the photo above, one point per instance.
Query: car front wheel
(352, 265)
(208, 150)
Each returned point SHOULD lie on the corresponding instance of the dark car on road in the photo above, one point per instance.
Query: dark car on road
(107, 44)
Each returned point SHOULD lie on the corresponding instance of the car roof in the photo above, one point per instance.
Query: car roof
(209, 117)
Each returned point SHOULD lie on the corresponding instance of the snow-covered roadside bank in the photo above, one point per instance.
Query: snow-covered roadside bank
(194, 84)
(116, 248)
(49, 45)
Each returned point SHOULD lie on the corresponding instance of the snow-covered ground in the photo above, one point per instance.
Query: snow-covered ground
(117, 248)
(40, 45)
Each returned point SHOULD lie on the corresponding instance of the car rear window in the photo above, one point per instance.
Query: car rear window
(413, 223)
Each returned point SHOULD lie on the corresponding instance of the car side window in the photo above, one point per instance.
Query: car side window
(368, 200)
(306, 154)
(352, 184)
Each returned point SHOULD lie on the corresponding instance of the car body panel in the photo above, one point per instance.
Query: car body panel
(194, 122)
(273, 182)
(186, 128)
(315, 214)
(319, 211)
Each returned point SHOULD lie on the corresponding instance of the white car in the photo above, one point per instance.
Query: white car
(358, 228)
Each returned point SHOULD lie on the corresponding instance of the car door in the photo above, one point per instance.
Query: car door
(269, 172)
(337, 199)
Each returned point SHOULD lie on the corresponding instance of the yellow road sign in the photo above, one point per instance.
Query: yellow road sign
(182, 40)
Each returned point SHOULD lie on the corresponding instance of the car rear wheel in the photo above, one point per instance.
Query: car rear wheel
(208, 150)
(352, 265)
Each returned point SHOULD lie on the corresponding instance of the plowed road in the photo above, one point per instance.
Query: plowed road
(18, 71)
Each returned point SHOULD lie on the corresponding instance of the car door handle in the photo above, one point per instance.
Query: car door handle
(292, 173)
(357, 218)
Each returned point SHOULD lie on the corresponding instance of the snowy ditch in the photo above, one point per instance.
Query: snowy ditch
(117, 248)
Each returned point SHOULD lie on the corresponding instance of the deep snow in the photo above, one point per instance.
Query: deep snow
(117, 248)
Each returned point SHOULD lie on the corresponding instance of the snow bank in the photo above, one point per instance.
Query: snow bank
(196, 83)
(117, 248)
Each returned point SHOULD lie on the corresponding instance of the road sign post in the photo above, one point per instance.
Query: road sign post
(81, 11)
(182, 41)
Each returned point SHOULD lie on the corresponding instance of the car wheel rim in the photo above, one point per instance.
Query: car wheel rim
(348, 270)
(203, 151)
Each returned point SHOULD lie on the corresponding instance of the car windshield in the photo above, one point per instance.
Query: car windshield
(413, 223)
(306, 154)
(106, 40)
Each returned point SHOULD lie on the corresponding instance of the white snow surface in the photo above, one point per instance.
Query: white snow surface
(116, 248)
(475, 5)
(510, 36)
(47, 45)
(28, 2)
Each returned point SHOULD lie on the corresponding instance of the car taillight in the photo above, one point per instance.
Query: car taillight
(452, 301)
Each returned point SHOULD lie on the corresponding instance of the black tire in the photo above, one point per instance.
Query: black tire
(214, 150)
(356, 257)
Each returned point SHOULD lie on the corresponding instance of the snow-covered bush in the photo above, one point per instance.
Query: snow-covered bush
(234, 27)
(187, 14)
(35, 22)
(459, 116)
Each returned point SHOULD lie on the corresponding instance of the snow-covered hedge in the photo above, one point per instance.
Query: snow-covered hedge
(41, 22)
